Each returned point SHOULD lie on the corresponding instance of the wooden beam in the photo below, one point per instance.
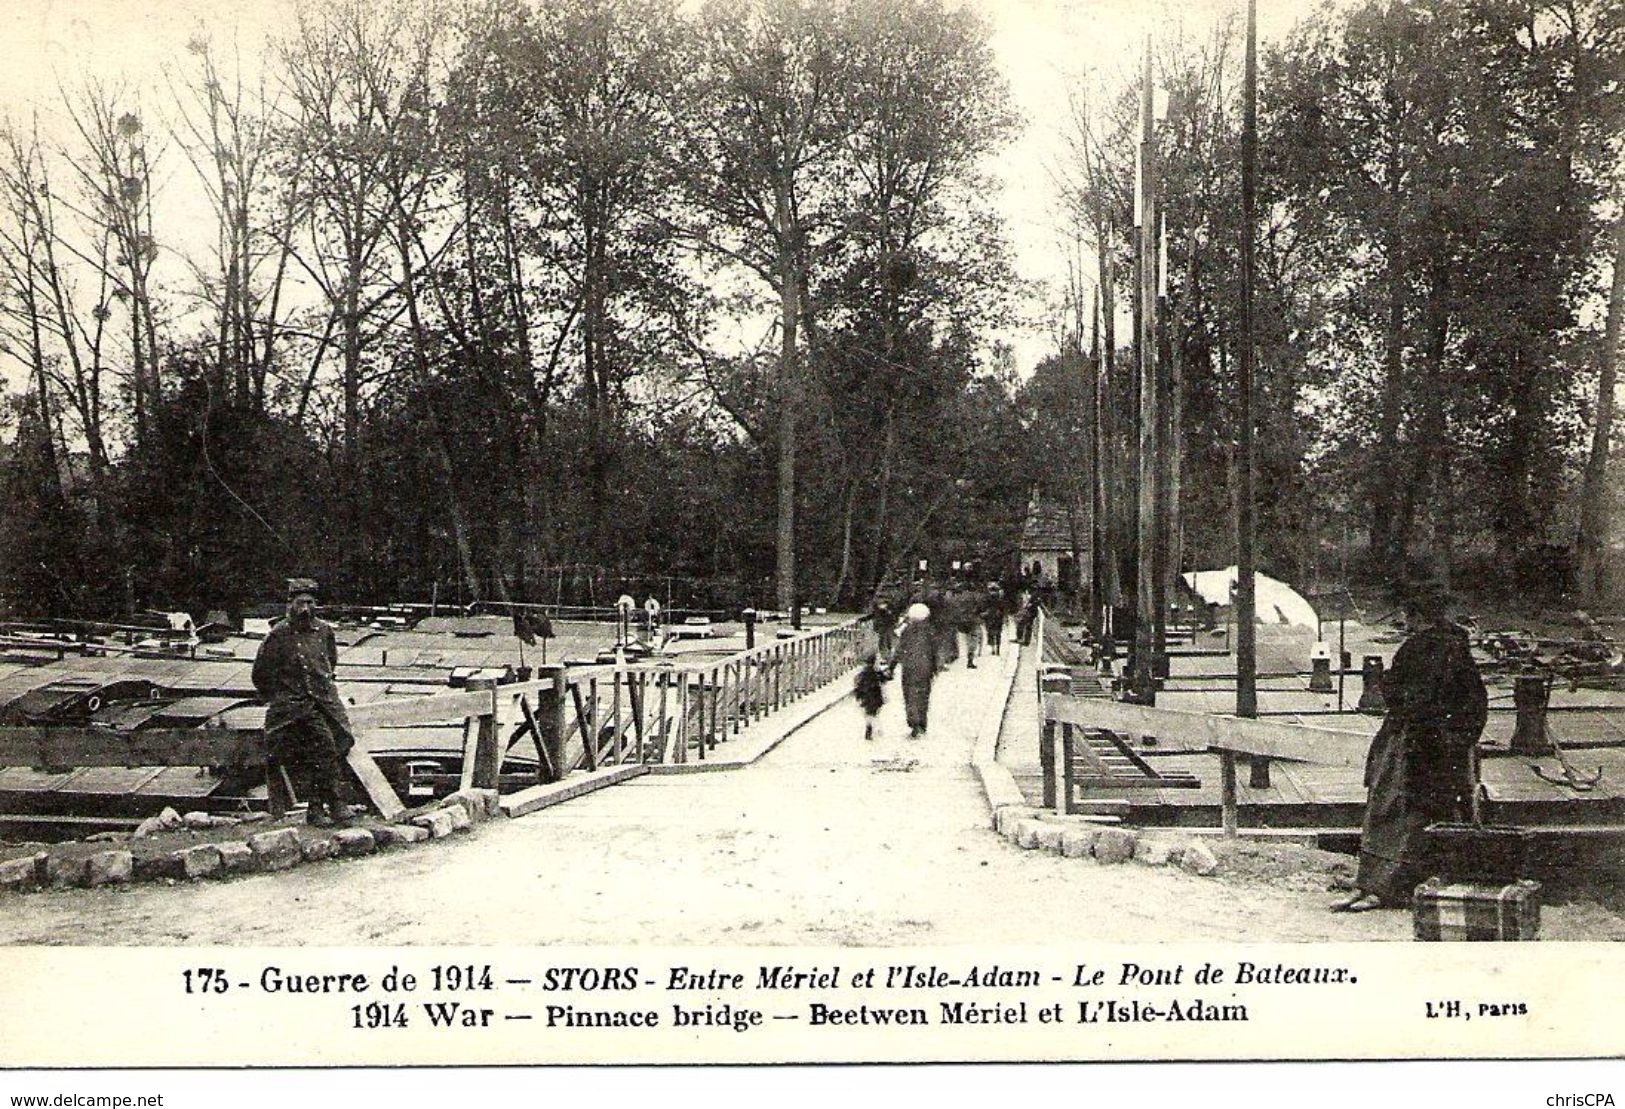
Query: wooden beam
(55, 746)
(546, 770)
(456, 707)
(1293, 742)
(373, 781)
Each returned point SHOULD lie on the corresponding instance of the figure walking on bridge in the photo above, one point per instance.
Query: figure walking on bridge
(917, 664)
(867, 689)
(1419, 769)
(307, 730)
(993, 616)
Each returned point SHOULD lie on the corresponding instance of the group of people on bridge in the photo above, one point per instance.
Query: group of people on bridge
(923, 631)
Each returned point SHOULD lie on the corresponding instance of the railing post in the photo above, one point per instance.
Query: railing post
(1227, 793)
(1069, 789)
(592, 740)
(558, 728)
(663, 721)
(683, 701)
(712, 693)
(615, 717)
(1046, 762)
(482, 756)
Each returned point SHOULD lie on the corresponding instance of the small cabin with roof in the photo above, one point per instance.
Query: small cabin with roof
(1054, 544)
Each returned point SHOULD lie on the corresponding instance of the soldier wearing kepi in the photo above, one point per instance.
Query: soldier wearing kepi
(1419, 769)
(307, 729)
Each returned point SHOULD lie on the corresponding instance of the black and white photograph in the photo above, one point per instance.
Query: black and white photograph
(798, 531)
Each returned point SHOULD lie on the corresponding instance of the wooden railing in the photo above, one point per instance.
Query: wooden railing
(590, 717)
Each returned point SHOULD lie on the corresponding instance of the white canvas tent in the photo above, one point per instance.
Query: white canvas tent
(1275, 602)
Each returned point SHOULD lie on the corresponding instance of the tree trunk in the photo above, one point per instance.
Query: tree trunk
(888, 451)
(789, 401)
(847, 512)
(1591, 545)
(1420, 491)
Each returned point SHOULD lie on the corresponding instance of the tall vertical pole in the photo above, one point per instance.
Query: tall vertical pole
(1145, 586)
(1083, 580)
(1097, 500)
(1111, 449)
(1166, 448)
(1246, 627)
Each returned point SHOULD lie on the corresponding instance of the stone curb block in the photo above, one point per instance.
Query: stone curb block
(66, 870)
(438, 823)
(460, 820)
(1079, 843)
(1115, 845)
(315, 850)
(480, 804)
(1198, 859)
(1007, 817)
(235, 857)
(15, 873)
(109, 868)
(276, 850)
(1153, 852)
(1049, 837)
(1026, 834)
(355, 841)
(197, 819)
(196, 862)
(390, 835)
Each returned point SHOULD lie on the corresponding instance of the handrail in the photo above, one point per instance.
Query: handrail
(637, 712)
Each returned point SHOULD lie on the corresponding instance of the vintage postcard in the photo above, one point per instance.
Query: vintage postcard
(799, 531)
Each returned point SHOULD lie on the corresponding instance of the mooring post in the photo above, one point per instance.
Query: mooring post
(1371, 686)
(1530, 696)
(1320, 669)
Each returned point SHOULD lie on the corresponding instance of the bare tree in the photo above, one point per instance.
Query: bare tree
(763, 144)
(226, 130)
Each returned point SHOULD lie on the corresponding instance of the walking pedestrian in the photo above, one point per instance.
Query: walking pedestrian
(1025, 615)
(968, 623)
(884, 620)
(942, 627)
(917, 665)
(870, 695)
(993, 612)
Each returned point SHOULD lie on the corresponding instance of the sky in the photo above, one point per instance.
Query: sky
(1045, 48)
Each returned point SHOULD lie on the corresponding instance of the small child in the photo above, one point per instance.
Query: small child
(868, 692)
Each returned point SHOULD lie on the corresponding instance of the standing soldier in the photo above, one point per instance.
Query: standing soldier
(1419, 768)
(307, 730)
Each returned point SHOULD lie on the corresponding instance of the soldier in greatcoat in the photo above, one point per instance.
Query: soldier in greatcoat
(307, 730)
